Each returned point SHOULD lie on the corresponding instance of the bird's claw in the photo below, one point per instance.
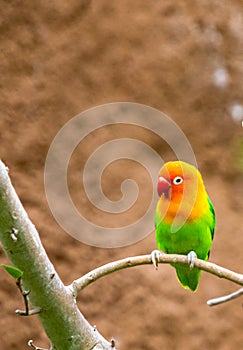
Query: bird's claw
(191, 256)
(155, 258)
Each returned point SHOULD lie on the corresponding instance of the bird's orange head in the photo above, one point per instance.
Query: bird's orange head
(181, 191)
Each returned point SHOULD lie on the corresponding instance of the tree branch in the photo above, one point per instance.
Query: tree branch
(225, 298)
(64, 324)
(111, 267)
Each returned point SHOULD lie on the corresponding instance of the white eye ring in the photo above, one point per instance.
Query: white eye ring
(177, 180)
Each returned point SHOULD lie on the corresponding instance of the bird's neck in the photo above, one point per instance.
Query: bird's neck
(185, 208)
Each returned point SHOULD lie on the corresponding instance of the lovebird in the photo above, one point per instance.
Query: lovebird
(184, 218)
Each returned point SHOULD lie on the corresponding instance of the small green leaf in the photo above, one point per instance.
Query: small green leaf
(13, 271)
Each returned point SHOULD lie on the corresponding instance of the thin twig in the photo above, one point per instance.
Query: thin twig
(225, 298)
(31, 344)
(25, 293)
(82, 282)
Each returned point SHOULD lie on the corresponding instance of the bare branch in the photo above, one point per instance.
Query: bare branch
(31, 344)
(63, 322)
(111, 267)
(225, 298)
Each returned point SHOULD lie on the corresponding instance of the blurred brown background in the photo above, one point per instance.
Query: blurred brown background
(184, 58)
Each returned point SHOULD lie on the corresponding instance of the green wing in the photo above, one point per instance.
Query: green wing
(212, 227)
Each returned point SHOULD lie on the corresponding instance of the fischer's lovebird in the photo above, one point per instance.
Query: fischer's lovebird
(184, 218)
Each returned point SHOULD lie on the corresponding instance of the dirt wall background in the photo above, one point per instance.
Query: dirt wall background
(184, 58)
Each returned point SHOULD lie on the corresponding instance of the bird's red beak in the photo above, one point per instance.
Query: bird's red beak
(163, 187)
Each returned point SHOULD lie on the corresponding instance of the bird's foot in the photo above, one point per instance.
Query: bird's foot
(191, 259)
(155, 254)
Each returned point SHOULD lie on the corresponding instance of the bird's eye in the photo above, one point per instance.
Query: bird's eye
(177, 180)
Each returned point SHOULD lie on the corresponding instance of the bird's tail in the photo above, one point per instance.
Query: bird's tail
(188, 278)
